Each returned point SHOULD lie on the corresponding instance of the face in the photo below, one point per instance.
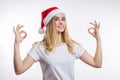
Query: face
(60, 22)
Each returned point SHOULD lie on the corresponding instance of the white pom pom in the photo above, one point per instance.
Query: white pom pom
(41, 31)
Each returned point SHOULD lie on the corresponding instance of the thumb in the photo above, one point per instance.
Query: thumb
(91, 31)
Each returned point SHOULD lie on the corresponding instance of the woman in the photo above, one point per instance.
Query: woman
(57, 51)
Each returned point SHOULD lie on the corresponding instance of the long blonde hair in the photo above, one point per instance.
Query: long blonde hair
(50, 36)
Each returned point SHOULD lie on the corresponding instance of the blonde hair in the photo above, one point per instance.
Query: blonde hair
(50, 36)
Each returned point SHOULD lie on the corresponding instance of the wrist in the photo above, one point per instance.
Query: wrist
(16, 43)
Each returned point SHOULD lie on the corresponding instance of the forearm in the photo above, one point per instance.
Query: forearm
(17, 59)
(98, 53)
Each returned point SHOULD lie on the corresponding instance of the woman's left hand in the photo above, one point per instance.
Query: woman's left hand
(94, 31)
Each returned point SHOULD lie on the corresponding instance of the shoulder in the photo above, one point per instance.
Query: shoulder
(77, 47)
(75, 43)
(37, 47)
(35, 44)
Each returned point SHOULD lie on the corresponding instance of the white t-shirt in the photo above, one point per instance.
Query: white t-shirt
(59, 64)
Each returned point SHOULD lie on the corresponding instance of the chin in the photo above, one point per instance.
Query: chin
(61, 31)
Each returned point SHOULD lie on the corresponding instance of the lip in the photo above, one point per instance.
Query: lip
(61, 27)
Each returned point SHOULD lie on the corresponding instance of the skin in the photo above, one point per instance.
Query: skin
(60, 24)
(21, 66)
(95, 61)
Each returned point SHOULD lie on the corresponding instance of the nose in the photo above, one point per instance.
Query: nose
(60, 22)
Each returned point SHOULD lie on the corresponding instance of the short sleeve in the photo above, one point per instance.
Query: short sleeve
(34, 53)
(78, 50)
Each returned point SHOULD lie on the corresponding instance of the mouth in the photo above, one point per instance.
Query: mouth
(60, 27)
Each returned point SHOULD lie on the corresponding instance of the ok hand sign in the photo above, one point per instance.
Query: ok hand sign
(94, 31)
(20, 35)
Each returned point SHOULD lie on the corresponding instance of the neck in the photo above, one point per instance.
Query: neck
(58, 39)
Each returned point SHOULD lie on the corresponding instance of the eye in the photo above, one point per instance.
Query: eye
(63, 19)
(56, 19)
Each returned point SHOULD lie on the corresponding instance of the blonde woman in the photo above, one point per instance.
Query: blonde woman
(57, 51)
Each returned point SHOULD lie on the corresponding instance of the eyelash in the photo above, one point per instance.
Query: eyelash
(63, 19)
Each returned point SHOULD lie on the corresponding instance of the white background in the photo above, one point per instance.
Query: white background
(79, 13)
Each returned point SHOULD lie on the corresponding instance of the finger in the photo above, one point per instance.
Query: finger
(92, 23)
(95, 22)
(14, 30)
(92, 34)
(91, 30)
(23, 34)
(19, 27)
(98, 25)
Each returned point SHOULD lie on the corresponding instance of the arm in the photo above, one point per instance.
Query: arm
(95, 61)
(20, 65)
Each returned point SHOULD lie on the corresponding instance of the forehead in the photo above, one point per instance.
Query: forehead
(60, 15)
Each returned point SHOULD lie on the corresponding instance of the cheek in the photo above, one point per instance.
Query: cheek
(57, 23)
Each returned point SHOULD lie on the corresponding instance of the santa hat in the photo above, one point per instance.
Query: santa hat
(47, 15)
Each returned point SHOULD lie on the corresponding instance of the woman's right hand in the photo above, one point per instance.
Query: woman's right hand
(20, 35)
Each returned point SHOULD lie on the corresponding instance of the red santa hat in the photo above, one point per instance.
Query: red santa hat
(47, 15)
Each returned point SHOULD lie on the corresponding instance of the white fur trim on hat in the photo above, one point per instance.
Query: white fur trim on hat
(50, 16)
(41, 31)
